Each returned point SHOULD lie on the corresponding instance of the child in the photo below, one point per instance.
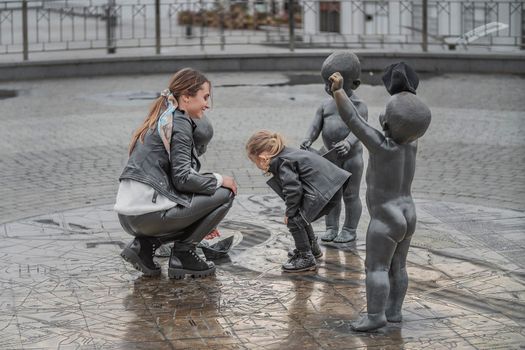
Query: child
(349, 151)
(309, 184)
(389, 178)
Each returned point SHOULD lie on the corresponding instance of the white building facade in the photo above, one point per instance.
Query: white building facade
(401, 22)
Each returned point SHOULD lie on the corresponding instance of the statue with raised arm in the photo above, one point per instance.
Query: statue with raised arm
(389, 177)
(344, 148)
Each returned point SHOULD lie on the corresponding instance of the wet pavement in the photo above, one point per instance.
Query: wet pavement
(63, 284)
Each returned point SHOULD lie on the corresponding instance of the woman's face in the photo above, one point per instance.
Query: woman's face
(196, 105)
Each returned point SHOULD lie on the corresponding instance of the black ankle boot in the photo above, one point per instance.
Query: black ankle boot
(188, 262)
(300, 261)
(140, 252)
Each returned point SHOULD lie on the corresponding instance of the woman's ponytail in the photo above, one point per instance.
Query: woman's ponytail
(155, 110)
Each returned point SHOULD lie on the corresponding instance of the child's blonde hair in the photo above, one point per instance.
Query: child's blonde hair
(265, 141)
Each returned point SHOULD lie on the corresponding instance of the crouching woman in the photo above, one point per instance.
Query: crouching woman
(162, 197)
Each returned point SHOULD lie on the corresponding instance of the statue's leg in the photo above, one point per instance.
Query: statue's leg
(398, 272)
(380, 248)
(353, 206)
(398, 278)
(332, 223)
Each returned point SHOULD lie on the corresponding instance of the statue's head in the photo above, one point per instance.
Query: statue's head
(406, 118)
(346, 63)
(202, 134)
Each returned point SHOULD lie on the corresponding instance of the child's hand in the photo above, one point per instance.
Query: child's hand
(337, 81)
(286, 220)
(212, 234)
(342, 148)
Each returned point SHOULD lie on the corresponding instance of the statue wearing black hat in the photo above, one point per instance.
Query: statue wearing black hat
(389, 178)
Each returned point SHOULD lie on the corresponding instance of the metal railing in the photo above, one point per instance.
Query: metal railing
(28, 26)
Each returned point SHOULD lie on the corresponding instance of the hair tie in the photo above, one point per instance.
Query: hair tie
(166, 93)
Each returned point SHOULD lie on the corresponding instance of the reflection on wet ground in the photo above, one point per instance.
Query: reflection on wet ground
(63, 285)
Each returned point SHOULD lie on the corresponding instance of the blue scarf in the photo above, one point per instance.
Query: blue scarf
(165, 126)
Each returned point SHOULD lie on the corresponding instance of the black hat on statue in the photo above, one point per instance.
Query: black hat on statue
(399, 77)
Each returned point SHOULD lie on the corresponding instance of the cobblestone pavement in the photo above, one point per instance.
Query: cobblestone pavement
(62, 284)
(63, 142)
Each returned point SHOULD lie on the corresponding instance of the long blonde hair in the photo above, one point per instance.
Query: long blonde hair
(265, 141)
(186, 81)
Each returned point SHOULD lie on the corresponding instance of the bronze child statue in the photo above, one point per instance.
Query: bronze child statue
(347, 150)
(389, 177)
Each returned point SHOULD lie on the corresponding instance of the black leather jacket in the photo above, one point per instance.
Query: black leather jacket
(177, 179)
(305, 180)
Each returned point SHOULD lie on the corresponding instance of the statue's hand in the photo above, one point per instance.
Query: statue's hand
(342, 148)
(306, 144)
(337, 81)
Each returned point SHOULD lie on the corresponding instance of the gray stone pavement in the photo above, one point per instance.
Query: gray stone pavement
(63, 145)
(63, 142)
(64, 286)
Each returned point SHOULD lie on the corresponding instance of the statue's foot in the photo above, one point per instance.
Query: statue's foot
(369, 322)
(394, 316)
(329, 235)
(346, 235)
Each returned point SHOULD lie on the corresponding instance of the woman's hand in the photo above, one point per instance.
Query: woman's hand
(286, 220)
(337, 81)
(229, 182)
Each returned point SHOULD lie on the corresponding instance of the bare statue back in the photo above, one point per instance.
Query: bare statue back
(389, 178)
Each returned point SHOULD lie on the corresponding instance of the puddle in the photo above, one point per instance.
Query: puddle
(5, 94)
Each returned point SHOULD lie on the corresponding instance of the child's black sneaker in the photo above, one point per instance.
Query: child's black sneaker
(300, 261)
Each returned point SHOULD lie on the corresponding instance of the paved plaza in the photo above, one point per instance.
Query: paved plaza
(63, 285)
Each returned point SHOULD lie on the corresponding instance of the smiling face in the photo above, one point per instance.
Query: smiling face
(196, 105)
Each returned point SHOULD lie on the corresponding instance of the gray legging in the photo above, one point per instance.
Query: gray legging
(185, 226)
